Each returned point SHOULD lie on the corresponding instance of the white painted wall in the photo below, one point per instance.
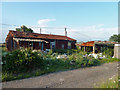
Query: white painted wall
(117, 51)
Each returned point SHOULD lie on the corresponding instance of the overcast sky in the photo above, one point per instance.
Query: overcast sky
(85, 21)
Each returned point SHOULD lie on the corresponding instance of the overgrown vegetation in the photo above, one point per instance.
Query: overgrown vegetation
(67, 51)
(22, 60)
(113, 82)
(109, 52)
(24, 63)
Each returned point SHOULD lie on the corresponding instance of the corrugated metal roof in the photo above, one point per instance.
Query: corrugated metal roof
(91, 43)
(20, 34)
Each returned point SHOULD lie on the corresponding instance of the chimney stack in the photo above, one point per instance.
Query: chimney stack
(40, 30)
(65, 31)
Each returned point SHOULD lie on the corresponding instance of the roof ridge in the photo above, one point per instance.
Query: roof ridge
(42, 35)
(39, 33)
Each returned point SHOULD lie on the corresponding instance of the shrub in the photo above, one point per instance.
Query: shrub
(67, 51)
(83, 61)
(22, 61)
(108, 52)
(107, 60)
(7, 76)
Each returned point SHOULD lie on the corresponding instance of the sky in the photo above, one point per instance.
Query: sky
(85, 21)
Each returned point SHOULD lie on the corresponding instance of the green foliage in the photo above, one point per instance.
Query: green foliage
(50, 52)
(109, 52)
(115, 38)
(24, 63)
(25, 28)
(3, 49)
(7, 76)
(107, 60)
(82, 61)
(67, 51)
(111, 83)
(18, 29)
(21, 61)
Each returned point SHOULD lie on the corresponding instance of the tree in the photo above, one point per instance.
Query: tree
(24, 29)
(115, 38)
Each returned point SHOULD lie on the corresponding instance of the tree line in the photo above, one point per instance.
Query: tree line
(24, 29)
(115, 38)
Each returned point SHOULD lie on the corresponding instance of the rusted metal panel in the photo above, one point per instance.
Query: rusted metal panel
(90, 43)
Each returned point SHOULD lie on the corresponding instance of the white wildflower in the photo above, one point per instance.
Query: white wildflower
(114, 75)
(110, 78)
(1, 62)
(47, 68)
(113, 57)
(104, 56)
(34, 51)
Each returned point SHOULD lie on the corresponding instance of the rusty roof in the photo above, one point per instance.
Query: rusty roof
(91, 43)
(20, 34)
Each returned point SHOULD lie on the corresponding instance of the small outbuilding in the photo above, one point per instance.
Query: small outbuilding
(95, 46)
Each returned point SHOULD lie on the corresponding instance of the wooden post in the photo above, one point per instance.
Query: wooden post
(18, 45)
(80, 47)
(84, 48)
(94, 49)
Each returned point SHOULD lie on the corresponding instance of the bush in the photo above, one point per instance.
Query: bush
(22, 61)
(107, 60)
(109, 52)
(67, 51)
(84, 61)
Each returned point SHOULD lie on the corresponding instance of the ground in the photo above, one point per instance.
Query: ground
(78, 78)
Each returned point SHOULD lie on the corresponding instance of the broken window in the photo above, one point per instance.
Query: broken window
(69, 45)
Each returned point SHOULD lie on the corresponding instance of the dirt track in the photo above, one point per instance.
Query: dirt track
(78, 78)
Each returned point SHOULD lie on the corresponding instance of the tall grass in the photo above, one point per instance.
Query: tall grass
(113, 82)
